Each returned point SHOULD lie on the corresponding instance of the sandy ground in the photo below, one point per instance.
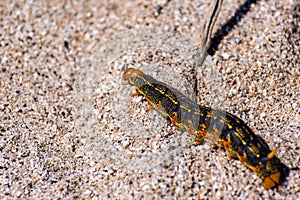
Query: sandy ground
(70, 129)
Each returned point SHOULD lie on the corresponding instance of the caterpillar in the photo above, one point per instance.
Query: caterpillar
(218, 127)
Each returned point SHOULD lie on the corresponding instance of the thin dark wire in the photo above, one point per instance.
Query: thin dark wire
(209, 23)
(230, 24)
(205, 37)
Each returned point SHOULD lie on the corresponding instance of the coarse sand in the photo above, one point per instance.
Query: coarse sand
(69, 127)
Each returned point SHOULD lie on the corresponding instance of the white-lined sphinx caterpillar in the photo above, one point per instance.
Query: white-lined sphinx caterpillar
(218, 127)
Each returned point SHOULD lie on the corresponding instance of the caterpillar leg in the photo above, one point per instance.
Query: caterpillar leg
(230, 154)
(198, 140)
(134, 94)
(148, 108)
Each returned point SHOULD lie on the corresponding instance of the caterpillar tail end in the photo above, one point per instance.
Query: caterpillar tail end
(272, 181)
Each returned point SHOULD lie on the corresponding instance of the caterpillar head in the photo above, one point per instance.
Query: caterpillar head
(130, 75)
